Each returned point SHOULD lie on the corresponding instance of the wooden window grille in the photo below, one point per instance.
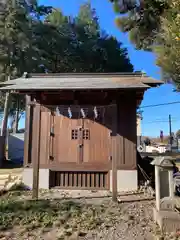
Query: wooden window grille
(79, 180)
(86, 134)
(74, 134)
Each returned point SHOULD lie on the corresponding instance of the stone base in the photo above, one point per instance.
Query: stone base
(127, 180)
(43, 178)
(168, 221)
(169, 203)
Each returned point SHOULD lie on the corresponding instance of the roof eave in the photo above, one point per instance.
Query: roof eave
(6, 89)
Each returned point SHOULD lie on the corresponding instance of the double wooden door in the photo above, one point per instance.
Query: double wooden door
(81, 135)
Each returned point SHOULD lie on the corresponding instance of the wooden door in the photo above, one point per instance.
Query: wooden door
(97, 136)
(82, 139)
(66, 135)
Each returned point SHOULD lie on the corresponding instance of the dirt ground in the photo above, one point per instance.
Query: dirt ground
(83, 218)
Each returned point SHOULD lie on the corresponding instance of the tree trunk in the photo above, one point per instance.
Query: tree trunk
(5, 116)
(15, 125)
(4, 128)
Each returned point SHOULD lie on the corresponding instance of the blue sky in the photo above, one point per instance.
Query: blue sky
(156, 118)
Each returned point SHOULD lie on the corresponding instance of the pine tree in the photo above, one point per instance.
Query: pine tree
(79, 45)
(142, 19)
(17, 49)
(168, 49)
(14, 38)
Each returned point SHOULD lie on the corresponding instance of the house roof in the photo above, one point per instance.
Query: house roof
(70, 81)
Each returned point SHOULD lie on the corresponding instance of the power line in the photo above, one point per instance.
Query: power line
(164, 119)
(160, 104)
(160, 121)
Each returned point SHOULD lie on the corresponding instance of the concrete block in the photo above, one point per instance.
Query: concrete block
(127, 180)
(43, 178)
(168, 221)
(169, 203)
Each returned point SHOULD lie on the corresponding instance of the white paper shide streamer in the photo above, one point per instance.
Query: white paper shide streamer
(58, 111)
(95, 112)
(69, 112)
(83, 113)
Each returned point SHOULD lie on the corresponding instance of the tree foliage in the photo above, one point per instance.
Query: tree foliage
(55, 42)
(178, 134)
(154, 25)
(168, 49)
(38, 39)
(84, 48)
(142, 19)
(18, 49)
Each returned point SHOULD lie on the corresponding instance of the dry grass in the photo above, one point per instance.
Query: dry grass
(19, 218)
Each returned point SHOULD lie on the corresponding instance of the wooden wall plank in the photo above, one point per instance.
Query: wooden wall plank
(126, 139)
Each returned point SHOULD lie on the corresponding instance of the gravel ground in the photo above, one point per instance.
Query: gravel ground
(129, 222)
(134, 222)
(115, 221)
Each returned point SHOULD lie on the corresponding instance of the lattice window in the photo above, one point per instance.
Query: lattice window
(74, 134)
(86, 134)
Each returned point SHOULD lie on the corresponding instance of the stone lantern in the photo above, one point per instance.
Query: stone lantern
(165, 213)
(163, 178)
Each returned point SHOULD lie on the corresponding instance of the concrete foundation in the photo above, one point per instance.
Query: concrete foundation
(43, 178)
(168, 221)
(127, 180)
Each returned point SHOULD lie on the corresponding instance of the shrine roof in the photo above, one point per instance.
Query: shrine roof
(80, 81)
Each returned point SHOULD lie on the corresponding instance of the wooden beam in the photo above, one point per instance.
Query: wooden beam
(114, 155)
(36, 149)
(27, 131)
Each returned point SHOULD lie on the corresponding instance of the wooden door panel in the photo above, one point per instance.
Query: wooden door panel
(97, 148)
(66, 140)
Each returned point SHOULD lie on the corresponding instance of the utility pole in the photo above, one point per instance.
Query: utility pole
(170, 132)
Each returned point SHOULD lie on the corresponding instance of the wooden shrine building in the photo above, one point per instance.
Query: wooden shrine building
(81, 128)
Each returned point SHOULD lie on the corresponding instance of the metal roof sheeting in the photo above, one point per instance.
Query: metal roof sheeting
(79, 81)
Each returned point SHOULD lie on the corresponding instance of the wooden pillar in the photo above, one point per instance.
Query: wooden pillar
(114, 154)
(27, 130)
(36, 149)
